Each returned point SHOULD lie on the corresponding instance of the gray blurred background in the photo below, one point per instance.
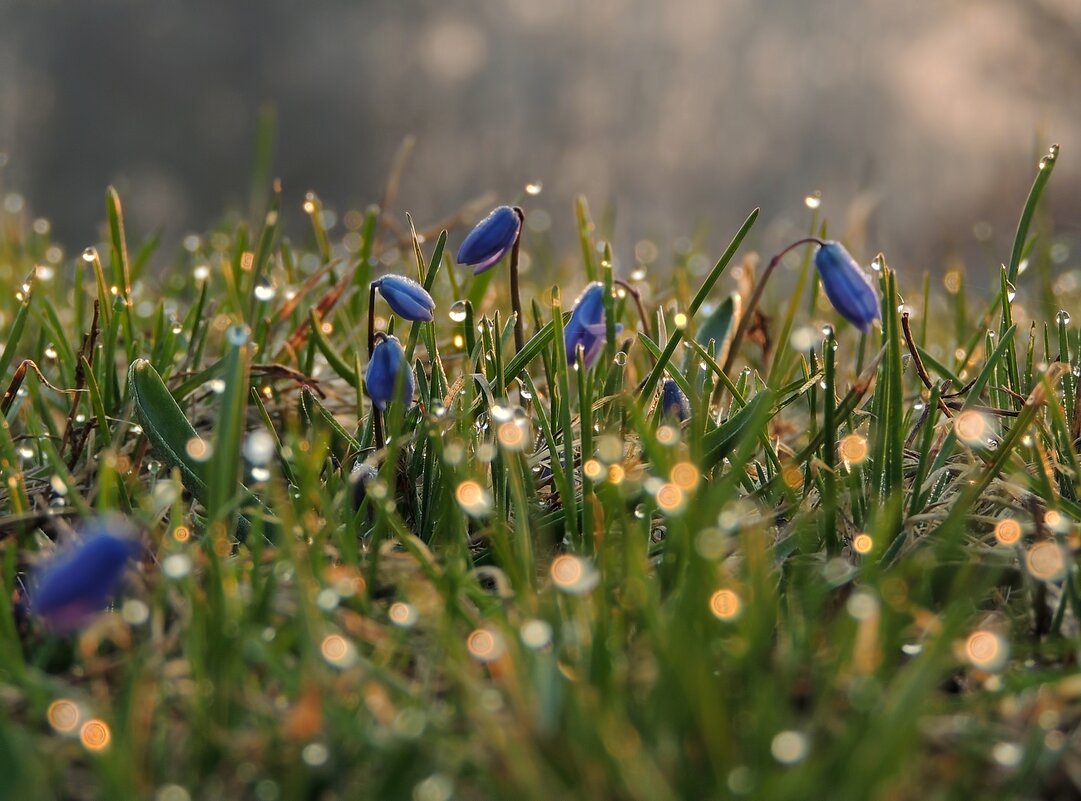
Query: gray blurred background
(921, 119)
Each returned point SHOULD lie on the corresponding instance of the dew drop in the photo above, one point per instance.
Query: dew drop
(457, 311)
(813, 200)
(237, 335)
(1063, 317)
(90, 255)
(265, 292)
(534, 188)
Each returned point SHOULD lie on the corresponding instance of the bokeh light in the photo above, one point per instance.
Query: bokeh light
(725, 604)
(95, 735)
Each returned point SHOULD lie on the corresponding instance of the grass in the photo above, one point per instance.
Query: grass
(850, 574)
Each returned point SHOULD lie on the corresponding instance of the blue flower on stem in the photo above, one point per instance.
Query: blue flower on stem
(487, 243)
(386, 368)
(673, 402)
(491, 239)
(80, 581)
(847, 285)
(587, 326)
(406, 298)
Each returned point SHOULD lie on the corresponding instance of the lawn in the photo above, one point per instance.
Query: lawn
(698, 535)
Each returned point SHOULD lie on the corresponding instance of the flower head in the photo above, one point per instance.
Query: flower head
(847, 286)
(587, 326)
(384, 368)
(491, 239)
(79, 582)
(406, 298)
(673, 402)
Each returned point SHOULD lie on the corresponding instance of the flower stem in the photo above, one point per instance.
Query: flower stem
(634, 293)
(377, 416)
(756, 295)
(515, 296)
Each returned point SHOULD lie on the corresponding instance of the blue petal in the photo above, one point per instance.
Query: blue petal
(407, 298)
(588, 312)
(381, 377)
(81, 581)
(848, 287)
(490, 240)
(673, 402)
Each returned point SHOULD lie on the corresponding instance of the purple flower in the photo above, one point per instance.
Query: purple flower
(586, 327)
(491, 239)
(80, 581)
(406, 298)
(847, 286)
(382, 376)
(673, 402)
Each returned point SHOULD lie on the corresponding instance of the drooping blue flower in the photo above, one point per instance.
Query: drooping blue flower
(406, 298)
(384, 368)
(490, 240)
(80, 581)
(847, 285)
(674, 403)
(586, 326)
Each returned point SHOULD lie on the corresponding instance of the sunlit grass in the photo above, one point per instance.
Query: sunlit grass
(850, 571)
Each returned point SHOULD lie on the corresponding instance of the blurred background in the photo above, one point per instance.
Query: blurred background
(920, 123)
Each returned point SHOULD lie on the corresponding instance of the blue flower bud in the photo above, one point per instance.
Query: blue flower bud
(491, 239)
(406, 298)
(382, 376)
(587, 326)
(673, 402)
(848, 287)
(80, 581)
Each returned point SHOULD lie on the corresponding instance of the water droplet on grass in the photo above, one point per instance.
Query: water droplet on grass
(237, 335)
(457, 311)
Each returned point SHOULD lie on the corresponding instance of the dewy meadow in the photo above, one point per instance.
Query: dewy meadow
(380, 512)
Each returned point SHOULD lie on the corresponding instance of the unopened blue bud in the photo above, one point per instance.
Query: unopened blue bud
(382, 376)
(847, 285)
(491, 239)
(587, 326)
(80, 581)
(674, 403)
(406, 298)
